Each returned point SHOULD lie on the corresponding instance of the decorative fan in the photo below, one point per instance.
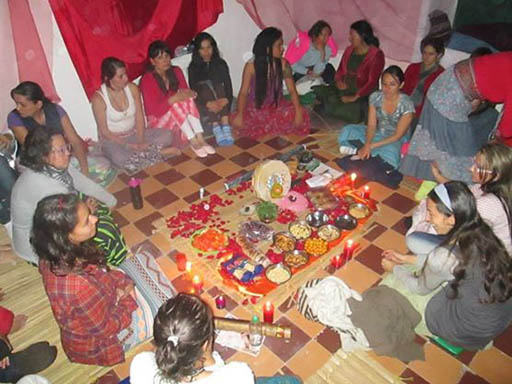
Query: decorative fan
(271, 180)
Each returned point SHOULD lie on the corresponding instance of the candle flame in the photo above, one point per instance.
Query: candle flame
(350, 243)
(188, 266)
(353, 176)
(366, 188)
(196, 279)
(268, 305)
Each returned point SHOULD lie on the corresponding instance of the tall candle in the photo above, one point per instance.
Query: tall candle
(353, 177)
(366, 192)
(336, 261)
(348, 249)
(268, 313)
(181, 261)
(197, 284)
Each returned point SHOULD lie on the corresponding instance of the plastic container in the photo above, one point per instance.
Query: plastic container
(255, 332)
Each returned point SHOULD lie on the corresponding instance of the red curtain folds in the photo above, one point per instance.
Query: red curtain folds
(95, 29)
(30, 55)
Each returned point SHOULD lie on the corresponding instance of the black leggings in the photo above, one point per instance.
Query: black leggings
(327, 74)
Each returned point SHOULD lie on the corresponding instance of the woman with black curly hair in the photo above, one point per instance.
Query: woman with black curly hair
(208, 75)
(475, 306)
(261, 109)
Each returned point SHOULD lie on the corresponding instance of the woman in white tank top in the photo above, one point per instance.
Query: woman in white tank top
(117, 108)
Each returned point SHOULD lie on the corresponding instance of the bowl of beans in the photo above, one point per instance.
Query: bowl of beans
(284, 241)
(300, 230)
(278, 273)
(296, 259)
(328, 232)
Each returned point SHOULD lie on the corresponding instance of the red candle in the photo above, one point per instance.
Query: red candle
(181, 261)
(366, 192)
(197, 284)
(353, 178)
(348, 249)
(188, 267)
(268, 313)
(220, 302)
(336, 261)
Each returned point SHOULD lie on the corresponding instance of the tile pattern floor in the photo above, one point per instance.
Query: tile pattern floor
(171, 186)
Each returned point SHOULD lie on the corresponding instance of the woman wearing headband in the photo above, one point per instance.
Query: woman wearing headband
(475, 306)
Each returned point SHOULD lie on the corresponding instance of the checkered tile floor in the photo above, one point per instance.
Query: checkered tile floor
(171, 186)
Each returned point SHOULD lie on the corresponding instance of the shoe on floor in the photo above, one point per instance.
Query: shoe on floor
(200, 152)
(32, 359)
(209, 149)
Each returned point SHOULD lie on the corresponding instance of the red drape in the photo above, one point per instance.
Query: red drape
(30, 55)
(95, 29)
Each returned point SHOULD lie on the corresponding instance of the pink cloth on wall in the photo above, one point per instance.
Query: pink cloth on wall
(395, 22)
(30, 55)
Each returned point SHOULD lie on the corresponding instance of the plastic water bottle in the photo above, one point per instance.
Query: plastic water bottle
(255, 332)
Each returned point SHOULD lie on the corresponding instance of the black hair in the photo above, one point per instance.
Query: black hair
(32, 91)
(155, 49)
(365, 30)
(189, 320)
(54, 219)
(476, 243)
(480, 51)
(197, 60)
(318, 27)
(109, 67)
(37, 145)
(268, 69)
(396, 72)
(435, 43)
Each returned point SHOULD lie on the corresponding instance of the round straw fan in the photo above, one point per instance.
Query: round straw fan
(271, 180)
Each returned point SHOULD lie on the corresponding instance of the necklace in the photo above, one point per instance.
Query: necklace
(119, 101)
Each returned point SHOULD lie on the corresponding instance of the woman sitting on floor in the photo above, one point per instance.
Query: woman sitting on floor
(184, 338)
(261, 109)
(208, 75)
(34, 110)
(46, 155)
(475, 306)
(389, 115)
(357, 76)
(117, 108)
(419, 76)
(309, 53)
(168, 101)
(94, 306)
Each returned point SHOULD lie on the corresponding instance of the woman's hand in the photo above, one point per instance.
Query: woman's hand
(365, 152)
(387, 265)
(4, 363)
(5, 141)
(398, 258)
(122, 293)
(437, 173)
(349, 99)
(238, 120)
(340, 84)
(92, 203)
(298, 117)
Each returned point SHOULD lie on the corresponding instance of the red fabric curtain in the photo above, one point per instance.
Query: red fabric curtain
(95, 29)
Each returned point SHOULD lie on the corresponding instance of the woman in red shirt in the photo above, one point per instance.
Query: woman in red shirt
(169, 102)
(93, 305)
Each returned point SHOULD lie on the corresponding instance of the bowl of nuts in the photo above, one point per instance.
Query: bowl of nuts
(278, 273)
(300, 230)
(284, 241)
(328, 232)
(316, 246)
(317, 219)
(296, 259)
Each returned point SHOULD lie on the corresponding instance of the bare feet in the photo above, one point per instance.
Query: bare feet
(18, 322)
(170, 152)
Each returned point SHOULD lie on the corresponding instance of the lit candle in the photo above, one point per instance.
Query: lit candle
(197, 284)
(268, 313)
(366, 192)
(348, 250)
(188, 267)
(181, 261)
(353, 178)
(220, 302)
(336, 261)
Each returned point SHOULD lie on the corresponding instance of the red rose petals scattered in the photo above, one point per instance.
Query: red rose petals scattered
(254, 300)
(286, 216)
(245, 302)
(274, 257)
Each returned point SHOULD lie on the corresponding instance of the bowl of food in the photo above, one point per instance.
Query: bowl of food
(317, 219)
(300, 230)
(295, 259)
(284, 241)
(278, 273)
(316, 246)
(359, 211)
(256, 231)
(329, 232)
(346, 222)
(266, 211)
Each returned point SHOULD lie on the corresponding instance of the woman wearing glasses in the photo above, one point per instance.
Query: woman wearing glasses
(46, 155)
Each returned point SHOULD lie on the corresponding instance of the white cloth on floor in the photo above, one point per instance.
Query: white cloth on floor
(328, 301)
